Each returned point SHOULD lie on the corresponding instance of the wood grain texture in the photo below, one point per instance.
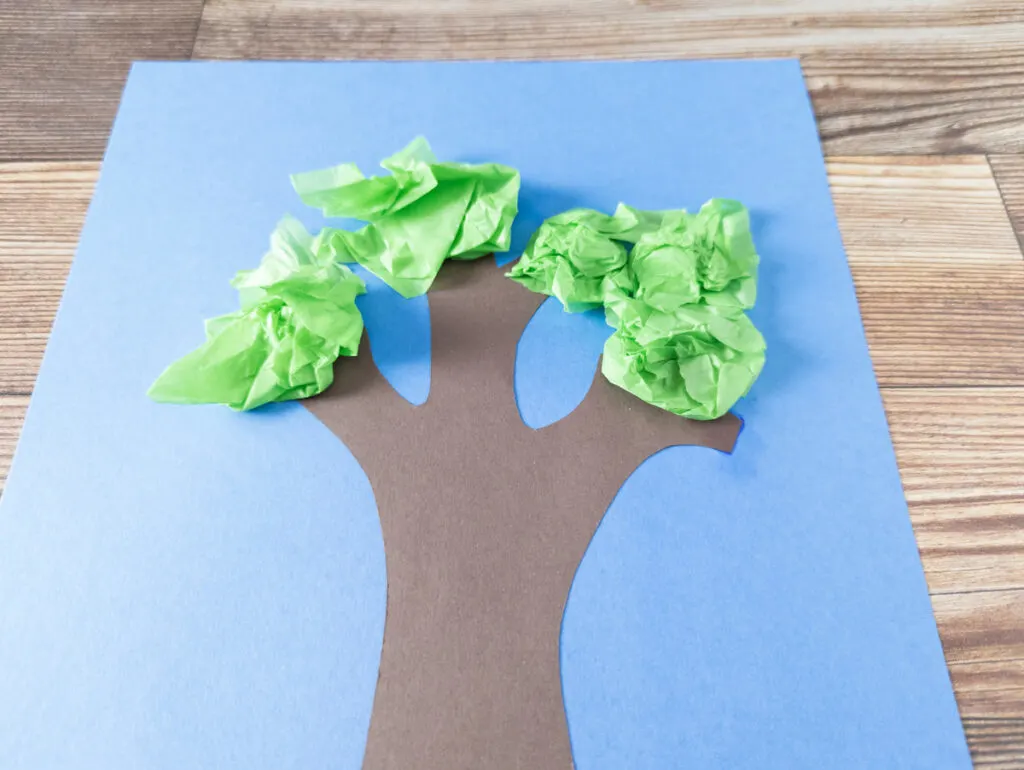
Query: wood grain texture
(895, 77)
(990, 695)
(938, 270)
(1009, 174)
(63, 64)
(993, 689)
(12, 414)
(43, 207)
(961, 458)
(982, 627)
(997, 743)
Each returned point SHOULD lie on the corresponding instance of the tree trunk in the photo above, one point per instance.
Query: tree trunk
(477, 581)
(485, 522)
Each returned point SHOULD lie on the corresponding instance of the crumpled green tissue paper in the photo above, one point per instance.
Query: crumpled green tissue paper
(298, 314)
(682, 341)
(421, 214)
(705, 257)
(696, 361)
(579, 255)
(676, 299)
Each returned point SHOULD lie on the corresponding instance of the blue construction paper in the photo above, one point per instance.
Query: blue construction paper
(546, 393)
(186, 587)
(400, 342)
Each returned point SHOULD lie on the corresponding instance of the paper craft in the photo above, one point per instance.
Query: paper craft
(578, 256)
(199, 588)
(422, 214)
(298, 315)
(696, 362)
(474, 603)
(676, 300)
(707, 257)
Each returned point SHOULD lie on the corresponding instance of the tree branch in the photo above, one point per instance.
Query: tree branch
(637, 430)
(477, 316)
(360, 407)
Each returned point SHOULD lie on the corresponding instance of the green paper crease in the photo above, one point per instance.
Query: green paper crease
(579, 255)
(421, 214)
(676, 299)
(297, 315)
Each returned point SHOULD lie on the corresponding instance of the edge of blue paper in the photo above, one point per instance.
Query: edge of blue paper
(179, 616)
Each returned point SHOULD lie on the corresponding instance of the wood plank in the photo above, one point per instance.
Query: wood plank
(961, 456)
(991, 689)
(44, 205)
(953, 441)
(966, 544)
(997, 743)
(12, 414)
(981, 626)
(937, 267)
(893, 77)
(1009, 174)
(983, 638)
(63, 64)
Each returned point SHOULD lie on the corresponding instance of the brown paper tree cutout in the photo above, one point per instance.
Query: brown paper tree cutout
(485, 521)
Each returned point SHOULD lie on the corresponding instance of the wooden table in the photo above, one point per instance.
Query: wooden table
(921, 109)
